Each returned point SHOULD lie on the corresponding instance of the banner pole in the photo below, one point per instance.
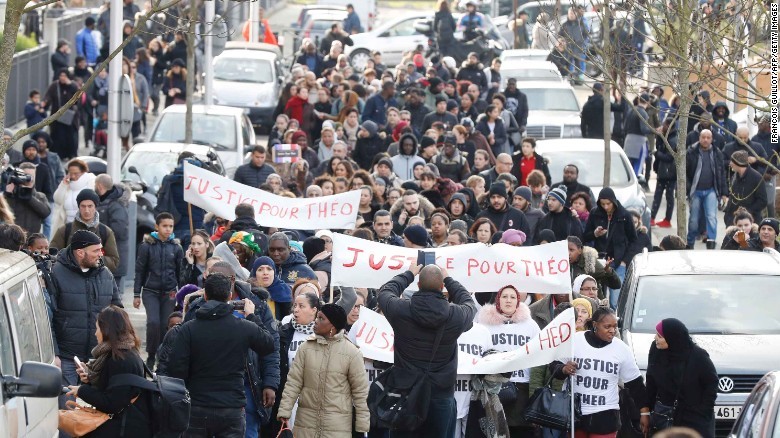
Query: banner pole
(571, 382)
(331, 293)
(189, 213)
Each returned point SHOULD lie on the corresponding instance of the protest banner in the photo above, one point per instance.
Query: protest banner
(374, 336)
(479, 268)
(220, 195)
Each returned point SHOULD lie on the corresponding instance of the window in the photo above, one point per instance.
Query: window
(752, 412)
(6, 343)
(24, 322)
(246, 127)
(404, 28)
(257, 71)
(41, 318)
(217, 131)
(551, 99)
(591, 169)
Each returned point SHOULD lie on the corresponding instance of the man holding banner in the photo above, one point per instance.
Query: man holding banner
(427, 328)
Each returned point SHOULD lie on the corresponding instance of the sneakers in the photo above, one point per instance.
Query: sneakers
(652, 222)
(663, 224)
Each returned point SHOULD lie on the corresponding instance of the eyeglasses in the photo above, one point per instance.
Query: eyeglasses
(592, 289)
(357, 306)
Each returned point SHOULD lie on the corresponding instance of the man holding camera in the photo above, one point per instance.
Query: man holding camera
(210, 355)
(29, 206)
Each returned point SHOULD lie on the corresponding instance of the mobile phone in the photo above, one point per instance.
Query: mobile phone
(79, 364)
(65, 390)
(426, 258)
(237, 304)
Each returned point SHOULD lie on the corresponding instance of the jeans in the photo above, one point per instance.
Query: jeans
(216, 422)
(252, 417)
(577, 65)
(440, 423)
(614, 294)
(158, 305)
(705, 200)
(552, 433)
(661, 186)
(47, 222)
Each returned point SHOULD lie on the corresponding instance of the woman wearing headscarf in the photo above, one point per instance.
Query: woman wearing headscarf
(327, 376)
(600, 361)
(682, 373)
(265, 275)
(588, 287)
(583, 311)
(509, 321)
(245, 248)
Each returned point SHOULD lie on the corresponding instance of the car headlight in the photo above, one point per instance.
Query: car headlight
(570, 131)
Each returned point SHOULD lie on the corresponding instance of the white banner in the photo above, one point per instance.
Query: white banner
(479, 268)
(374, 336)
(220, 195)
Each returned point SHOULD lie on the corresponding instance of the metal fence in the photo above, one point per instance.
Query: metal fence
(64, 26)
(29, 70)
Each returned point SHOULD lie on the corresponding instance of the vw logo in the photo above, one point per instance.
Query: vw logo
(725, 384)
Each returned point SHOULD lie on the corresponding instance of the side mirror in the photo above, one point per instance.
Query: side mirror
(36, 379)
(132, 169)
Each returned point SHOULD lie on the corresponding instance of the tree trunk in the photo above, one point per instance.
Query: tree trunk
(13, 17)
(681, 193)
(193, 20)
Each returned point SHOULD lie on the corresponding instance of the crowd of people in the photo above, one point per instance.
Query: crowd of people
(245, 314)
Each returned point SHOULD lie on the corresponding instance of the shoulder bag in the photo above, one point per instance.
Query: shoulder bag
(81, 421)
(662, 416)
(550, 408)
(67, 117)
(398, 399)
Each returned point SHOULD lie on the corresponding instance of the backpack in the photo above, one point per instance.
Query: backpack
(165, 200)
(102, 230)
(169, 401)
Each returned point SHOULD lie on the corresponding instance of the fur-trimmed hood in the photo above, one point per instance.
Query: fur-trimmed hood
(732, 229)
(488, 315)
(153, 240)
(426, 207)
(588, 259)
(466, 64)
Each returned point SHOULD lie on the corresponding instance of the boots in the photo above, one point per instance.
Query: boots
(711, 244)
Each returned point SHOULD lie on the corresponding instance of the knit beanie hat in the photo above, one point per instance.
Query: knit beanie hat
(29, 144)
(84, 238)
(559, 193)
(512, 236)
(771, 222)
(525, 192)
(87, 195)
(313, 246)
(740, 158)
(417, 235)
(547, 235)
(245, 239)
(336, 315)
(498, 188)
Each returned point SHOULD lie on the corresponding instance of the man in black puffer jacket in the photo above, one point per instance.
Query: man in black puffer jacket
(210, 355)
(77, 298)
(256, 171)
(417, 323)
(503, 215)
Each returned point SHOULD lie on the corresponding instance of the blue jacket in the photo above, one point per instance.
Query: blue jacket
(86, 47)
(376, 107)
(352, 24)
(295, 267)
(172, 187)
(32, 115)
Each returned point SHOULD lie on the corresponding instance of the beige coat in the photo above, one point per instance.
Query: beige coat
(327, 378)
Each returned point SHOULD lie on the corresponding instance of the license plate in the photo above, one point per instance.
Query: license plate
(727, 412)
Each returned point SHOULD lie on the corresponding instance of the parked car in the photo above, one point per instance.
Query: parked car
(29, 381)
(724, 300)
(760, 416)
(588, 156)
(524, 70)
(251, 76)
(318, 23)
(151, 162)
(553, 110)
(401, 35)
(308, 9)
(226, 129)
(519, 55)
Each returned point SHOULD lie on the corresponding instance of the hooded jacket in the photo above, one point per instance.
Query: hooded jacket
(367, 148)
(508, 217)
(474, 73)
(746, 191)
(295, 267)
(416, 322)
(211, 351)
(725, 126)
(171, 192)
(620, 229)
(63, 234)
(589, 264)
(403, 165)
(327, 378)
(29, 213)
(77, 298)
(562, 224)
(114, 214)
(424, 211)
(730, 243)
(158, 265)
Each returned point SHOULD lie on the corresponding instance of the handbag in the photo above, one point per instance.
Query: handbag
(398, 399)
(662, 416)
(285, 431)
(508, 393)
(67, 117)
(81, 421)
(551, 408)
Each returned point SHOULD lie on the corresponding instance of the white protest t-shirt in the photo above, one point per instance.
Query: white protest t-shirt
(475, 342)
(510, 337)
(599, 371)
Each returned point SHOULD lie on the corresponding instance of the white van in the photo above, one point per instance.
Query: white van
(30, 383)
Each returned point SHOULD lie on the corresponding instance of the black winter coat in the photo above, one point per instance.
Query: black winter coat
(30, 213)
(540, 165)
(692, 157)
(366, 149)
(252, 175)
(507, 218)
(416, 322)
(499, 133)
(746, 191)
(77, 298)
(620, 230)
(562, 224)
(697, 384)
(664, 160)
(592, 123)
(210, 354)
(113, 213)
(129, 420)
(158, 265)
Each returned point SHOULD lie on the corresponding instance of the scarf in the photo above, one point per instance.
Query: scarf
(101, 353)
(91, 224)
(486, 389)
(307, 329)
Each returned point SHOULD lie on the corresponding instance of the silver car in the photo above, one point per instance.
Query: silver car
(760, 416)
(725, 298)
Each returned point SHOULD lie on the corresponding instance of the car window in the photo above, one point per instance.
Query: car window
(708, 304)
(591, 169)
(6, 343)
(256, 71)
(530, 74)
(217, 131)
(152, 165)
(404, 28)
(41, 318)
(748, 419)
(551, 99)
(245, 127)
(24, 322)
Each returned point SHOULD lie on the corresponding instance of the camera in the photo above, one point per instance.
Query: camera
(237, 305)
(16, 176)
